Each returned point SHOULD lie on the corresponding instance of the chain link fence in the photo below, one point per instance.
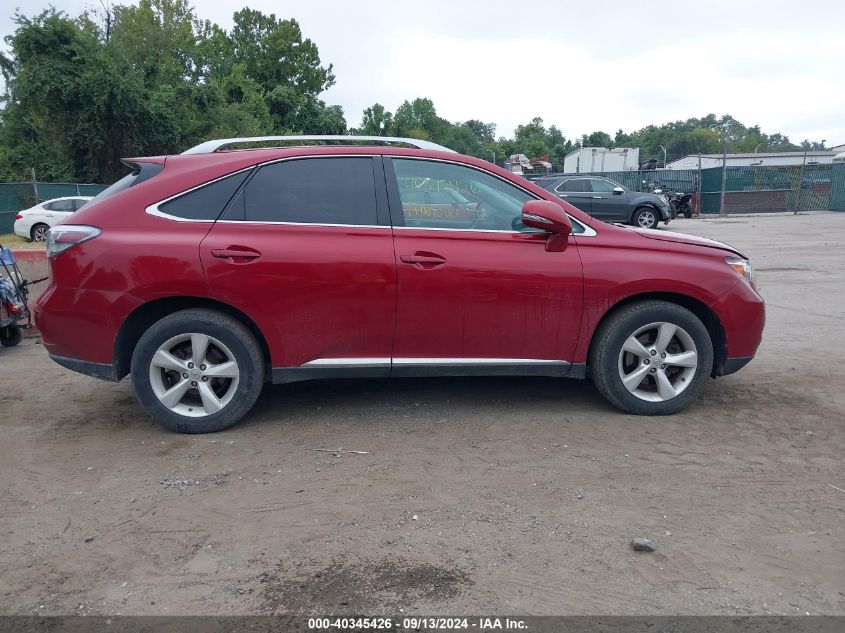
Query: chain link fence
(746, 189)
(16, 196)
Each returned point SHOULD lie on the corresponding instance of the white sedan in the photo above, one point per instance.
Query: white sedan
(33, 223)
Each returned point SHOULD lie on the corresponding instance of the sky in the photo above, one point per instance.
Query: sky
(582, 66)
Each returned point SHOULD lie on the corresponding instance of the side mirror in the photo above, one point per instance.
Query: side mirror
(618, 191)
(550, 217)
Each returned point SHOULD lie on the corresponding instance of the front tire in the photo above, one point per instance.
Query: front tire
(651, 358)
(197, 371)
(645, 218)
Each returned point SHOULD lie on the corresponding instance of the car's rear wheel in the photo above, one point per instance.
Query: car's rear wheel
(197, 371)
(38, 232)
(651, 358)
(10, 335)
(645, 218)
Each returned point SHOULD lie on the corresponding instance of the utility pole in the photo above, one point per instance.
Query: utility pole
(722, 209)
(664, 155)
(700, 186)
(800, 184)
(34, 186)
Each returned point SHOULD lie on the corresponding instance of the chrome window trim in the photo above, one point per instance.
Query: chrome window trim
(153, 209)
(273, 222)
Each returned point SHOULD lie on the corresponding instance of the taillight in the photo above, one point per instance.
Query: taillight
(19, 216)
(63, 236)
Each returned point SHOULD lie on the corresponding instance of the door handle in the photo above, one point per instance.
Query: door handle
(235, 253)
(422, 261)
(598, 197)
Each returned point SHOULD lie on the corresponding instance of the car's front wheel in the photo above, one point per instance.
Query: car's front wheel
(651, 358)
(197, 371)
(38, 233)
(645, 218)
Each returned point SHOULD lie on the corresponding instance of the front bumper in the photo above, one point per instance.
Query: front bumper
(742, 313)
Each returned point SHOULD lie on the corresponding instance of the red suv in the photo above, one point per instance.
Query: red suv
(208, 273)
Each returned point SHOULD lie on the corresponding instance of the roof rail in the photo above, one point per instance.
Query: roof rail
(212, 146)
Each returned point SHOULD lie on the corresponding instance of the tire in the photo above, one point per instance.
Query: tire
(208, 396)
(687, 211)
(10, 336)
(645, 218)
(38, 232)
(648, 322)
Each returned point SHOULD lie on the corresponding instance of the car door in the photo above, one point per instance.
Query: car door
(478, 292)
(576, 191)
(608, 204)
(305, 249)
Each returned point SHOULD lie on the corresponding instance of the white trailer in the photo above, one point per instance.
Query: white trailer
(588, 160)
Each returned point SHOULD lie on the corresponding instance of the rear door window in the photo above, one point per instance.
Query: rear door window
(332, 190)
(60, 205)
(575, 185)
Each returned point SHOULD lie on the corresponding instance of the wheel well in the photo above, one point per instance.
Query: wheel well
(699, 309)
(145, 315)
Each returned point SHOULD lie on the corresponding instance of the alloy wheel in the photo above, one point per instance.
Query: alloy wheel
(647, 219)
(39, 234)
(194, 374)
(658, 361)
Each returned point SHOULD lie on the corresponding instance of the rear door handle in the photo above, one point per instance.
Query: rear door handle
(423, 261)
(235, 253)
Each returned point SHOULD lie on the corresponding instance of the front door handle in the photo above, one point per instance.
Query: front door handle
(423, 260)
(236, 253)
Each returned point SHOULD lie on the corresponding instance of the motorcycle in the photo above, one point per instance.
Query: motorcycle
(680, 204)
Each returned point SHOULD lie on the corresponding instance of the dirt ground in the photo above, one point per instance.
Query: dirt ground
(475, 495)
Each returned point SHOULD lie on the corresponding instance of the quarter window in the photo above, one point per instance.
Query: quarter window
(336, 190)
(204, 203)
(448, 196)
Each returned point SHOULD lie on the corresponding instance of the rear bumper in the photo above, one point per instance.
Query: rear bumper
(77, 325)
(102, 371)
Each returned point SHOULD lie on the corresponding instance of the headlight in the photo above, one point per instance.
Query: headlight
(742, 267)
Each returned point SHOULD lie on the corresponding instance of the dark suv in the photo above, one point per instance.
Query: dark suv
(205, 275)
(608, 200)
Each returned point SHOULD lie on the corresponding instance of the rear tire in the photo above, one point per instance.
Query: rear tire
(197, 371)
(651, 358)
(645, 218)
(38, 232)
(10, 336)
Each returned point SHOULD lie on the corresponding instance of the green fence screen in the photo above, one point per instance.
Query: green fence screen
(15, 196)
